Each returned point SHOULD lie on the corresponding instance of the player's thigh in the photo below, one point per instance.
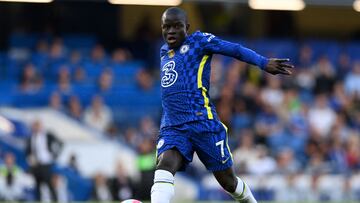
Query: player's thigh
(174, 148)
(211, 145)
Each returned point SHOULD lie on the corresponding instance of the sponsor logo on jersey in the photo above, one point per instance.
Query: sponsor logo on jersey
(170, 74)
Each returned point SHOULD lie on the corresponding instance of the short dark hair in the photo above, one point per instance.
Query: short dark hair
(176, 11)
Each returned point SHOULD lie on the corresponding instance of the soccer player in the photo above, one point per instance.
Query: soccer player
(189, 122)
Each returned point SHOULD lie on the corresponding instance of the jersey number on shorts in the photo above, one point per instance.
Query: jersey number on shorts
(170, 75)
(221, 143)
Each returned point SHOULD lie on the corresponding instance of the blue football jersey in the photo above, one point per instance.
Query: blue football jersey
(185, 76)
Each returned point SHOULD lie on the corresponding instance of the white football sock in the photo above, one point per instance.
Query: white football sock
(243, 193)
(163, 189)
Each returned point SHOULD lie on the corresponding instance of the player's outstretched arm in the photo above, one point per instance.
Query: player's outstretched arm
(215, 45)
(278, 66)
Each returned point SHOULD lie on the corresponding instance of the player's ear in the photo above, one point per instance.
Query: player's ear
(187, 27)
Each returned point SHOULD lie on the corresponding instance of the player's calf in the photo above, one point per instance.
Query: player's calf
(243, 193)
(163, 189)
(233, 185)
(227, 180)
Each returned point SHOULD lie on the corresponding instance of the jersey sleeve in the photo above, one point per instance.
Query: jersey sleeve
(214, 45)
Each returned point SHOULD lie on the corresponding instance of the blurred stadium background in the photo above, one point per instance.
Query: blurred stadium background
(87, 73)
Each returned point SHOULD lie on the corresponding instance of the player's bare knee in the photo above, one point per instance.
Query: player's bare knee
(167, 164)
(164, 163)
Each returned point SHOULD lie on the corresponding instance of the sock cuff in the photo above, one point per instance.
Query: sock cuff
(240, 189)
(163, 176)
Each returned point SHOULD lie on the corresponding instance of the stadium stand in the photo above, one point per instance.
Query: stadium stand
(305, 134)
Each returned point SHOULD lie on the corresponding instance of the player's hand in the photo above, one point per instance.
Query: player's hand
(278, 66)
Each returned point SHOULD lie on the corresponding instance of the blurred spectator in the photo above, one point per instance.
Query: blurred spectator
(290, 191)
(224, 111)
(114, 133)
(101, 191)
(144, 80)
(42, 48)
(340, 101)
(42, 149)
(352, 81)
(11, 188)
(1, 157)
(30, 80)
(313, 193)
(343, 66)
(79, 75)
(225, 104)
(324, 76)
(348, 191)
(132, 137)
(98, 55)
(75, 108)
(75, 58)
(233, 74)
(305, 79)
(64, 80)
(216, 76)
(263, 164)
(121, 185)
(267, 122)
(272, 93)
(120, 55)
(305, 57)
(55, 102)
(148, 128)
(298, 123)
(146, 164)
(315, 144)
(73, 164)
(105, 82)
(321, 116)
(249, 93)
(98, 115)
(286, 162)
(60, 187)
(291, 101)
(317, 164)
(341, 130)
(245, 152)
(241, 117)
(353, 152)
(337, 155)
(57, 51)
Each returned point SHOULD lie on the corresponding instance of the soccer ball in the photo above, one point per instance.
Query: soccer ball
(131, 201)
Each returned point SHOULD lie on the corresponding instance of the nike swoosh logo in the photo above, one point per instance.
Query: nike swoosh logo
(223, 162)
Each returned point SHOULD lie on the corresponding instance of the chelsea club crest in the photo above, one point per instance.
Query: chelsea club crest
(184, 49)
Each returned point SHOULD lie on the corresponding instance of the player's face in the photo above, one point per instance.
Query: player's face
(174, 29)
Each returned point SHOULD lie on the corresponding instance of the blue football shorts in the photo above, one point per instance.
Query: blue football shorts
(208, 138)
